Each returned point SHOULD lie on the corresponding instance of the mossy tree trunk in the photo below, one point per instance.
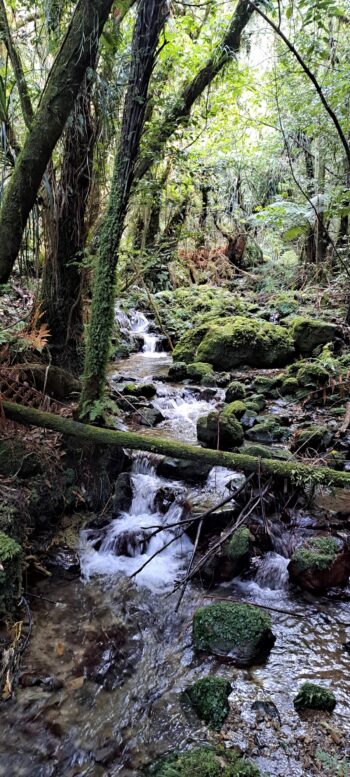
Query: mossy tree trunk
(150, 20)
(56, 103)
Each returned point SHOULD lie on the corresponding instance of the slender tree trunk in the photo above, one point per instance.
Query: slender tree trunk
(47, 126)
(165, 248)
(149, 23)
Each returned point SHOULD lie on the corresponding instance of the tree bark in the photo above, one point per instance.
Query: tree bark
(236, 461)
(47, 126)
(149, 23)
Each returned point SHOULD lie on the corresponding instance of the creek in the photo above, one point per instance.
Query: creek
(101, 683)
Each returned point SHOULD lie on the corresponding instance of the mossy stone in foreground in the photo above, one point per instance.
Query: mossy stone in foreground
(238, 632)
(204, 762)
(220, 428)
(197, 370)
(10, 572)
(314, 697)
(208, 697)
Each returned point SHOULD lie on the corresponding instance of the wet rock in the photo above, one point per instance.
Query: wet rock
(236, 408)
(266, 709)
(178, 371)
(235, 390)
(267, 452)
(10, 573)
(147, 390)
(269, 430)
(122, 494)
(256, 402)
(148, 416)
(249, 418)
(209, 699)
(108, 752)
(31, 680)
(110, 657)
(181, 469)
(220, 428)
(237, 632)
(320, 563)
(131, 543)
(64, 558)
(310, 439)
(290, 387)
(164, 498)
(311, 696)
(203, 761)
(308, 333)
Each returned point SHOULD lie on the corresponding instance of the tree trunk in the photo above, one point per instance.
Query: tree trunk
(47, 126)
(291, 470)
(149, 23)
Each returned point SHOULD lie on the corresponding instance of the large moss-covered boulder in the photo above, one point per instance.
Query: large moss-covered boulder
(221, 430)
(320, 563)
(312, 375)
(198, 370)
(314, 697)
(240, 633)
(234, 341)
(235, 390)
(209, 698)
(10, 573)
(308, 333)
(203, 762)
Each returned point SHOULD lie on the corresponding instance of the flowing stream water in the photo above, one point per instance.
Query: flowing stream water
(100, 692)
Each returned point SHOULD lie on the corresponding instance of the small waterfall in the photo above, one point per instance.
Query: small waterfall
(130, 540)
(273, 572)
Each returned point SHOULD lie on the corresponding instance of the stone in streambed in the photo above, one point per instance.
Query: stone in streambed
(320, 563)
(232, 560)
(147, 390)
(209, 699)
(182, 469)
(235, 390)
(308, 333)
(268, 430)
(220, 429)
(198, 370)
(311, 439)
(311, 696)
(203, 761)
(110, 656)
(240, 633)
(267, 452)
(178, 371)
(122, 494)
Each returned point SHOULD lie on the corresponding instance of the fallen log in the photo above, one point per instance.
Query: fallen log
(297, 473)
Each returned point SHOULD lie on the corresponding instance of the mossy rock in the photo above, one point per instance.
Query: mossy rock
(18, 458)
(219, 379)
(311, 439)
(10, 573)
(267, 452)
(240, 633)
(290, 387)
(258, 400)
(178, 371)
(203, 762)
(235, 390)
(314, 697)
(268, 430)
(308, 333)
(320, 563)
(147, 390)
(266, 384)
(222, 428)
(185, 349)
(209, 699)
(312, 375)
(198, 370)
(239, 544)
(236, 408)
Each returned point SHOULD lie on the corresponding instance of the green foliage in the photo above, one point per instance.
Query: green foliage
(204, 762)
(208, 696)
(311, 696)
(333, 766)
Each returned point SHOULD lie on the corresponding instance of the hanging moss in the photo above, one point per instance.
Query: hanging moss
(208, 697)
(204, 762)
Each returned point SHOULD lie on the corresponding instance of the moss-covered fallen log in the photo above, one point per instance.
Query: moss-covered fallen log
(299, 473)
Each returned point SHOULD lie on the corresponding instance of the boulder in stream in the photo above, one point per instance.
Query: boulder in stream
(222, 428)
(203, 761)
(209, 698)
(267, 430)
(320, 563)
(237, 632)
(198, 370)
(182, 469)
(235, 390)
(311, 696)
(147, 390)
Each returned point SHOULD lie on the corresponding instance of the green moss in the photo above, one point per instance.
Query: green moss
(239, 544)
(314, 697)
(147, 390)
(235, 390)
(10, 572)
(265, 384)
(222, 428)
(238, 340)
(204, 762)
(178, 371)
(314, 438)
(268, 430)
(208, 697)
(308, 333)
(312, 375)
(289, 387)
(225, 628)
(185, 349)
(258, 400)
(236, 409)
(267, 452)
(317, 553)
(198, 370)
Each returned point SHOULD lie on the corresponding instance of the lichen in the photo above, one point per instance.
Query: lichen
(208, 697)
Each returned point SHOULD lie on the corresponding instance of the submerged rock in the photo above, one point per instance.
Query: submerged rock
(320, 563)
(209, 698)
(240, 633)
(234, 341)
(203, 761)
(110, 656)
(122, 494)
(311, 696)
